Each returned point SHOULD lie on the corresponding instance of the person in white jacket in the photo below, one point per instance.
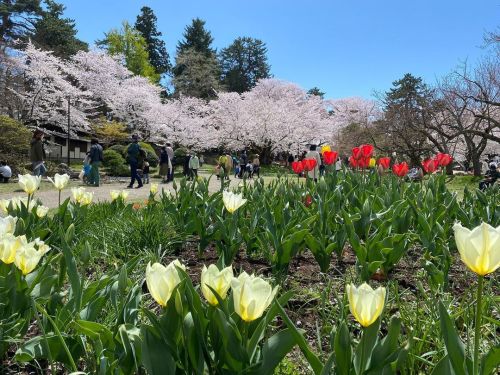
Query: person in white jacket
(314, 154)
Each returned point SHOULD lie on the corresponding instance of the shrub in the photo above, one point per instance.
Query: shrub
(121, 149)
(115, 163)
(14, 143)
(151, 157)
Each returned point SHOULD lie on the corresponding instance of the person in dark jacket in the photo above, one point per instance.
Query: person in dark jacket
(165, 165)
(133, 158)
(37, 153)
(490, 177)
(96, 157)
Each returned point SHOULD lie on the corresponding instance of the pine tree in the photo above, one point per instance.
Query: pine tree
(158, 55)
(196, 37)
(196, 70)
(243, 63)
(316, 91)
(57, 34)
(18, 19)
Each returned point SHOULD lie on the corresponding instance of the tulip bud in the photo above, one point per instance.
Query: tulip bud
(86, 253)
(479, 248)
(122, 279)
(7, 225)
(220, 281)
(365, 303)
(70, 233)
(41, 211)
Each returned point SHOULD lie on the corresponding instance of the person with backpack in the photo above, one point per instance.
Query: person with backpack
(135, 155)
(96, 157)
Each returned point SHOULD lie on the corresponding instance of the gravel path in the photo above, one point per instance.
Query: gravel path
(49, 198)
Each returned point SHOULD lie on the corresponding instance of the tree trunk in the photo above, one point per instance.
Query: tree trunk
(476, 164)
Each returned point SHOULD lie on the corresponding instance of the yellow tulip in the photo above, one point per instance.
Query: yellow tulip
(41, 211)
(153, 189)
(29, 183)
(28, 254)
(232, 201)
(161, 280)
(86, 198)
(115, 194)
(60, 181)
(4, 204)
(77, 193)
(479, 248)
(325, 148)
(7, 225)
(372, 163)
(252, 296)
(365, 303)
(220, 281)
(8, 247)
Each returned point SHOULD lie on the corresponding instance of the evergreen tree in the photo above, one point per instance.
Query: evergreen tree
(129, 42)
(198, 75)
(55, 33)
(196, 70)
(316, 91)
(243, 63)
(158, 55)
(196, 37)
(18, 19)
(408, 106)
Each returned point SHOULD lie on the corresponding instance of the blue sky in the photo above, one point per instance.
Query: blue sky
(346, 48)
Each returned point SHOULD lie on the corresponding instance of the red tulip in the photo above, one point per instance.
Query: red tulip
(330, 157)
(400, 169)
(309, 164)
(297, 166)
(353, 162)
(443, 159)
(364, 162)
(356, 153)
(384, 162)
(429, 165)
(366, 151)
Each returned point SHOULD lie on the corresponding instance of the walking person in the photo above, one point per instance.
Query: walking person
(133, 158)
(5, 172)
(186, 165)
(37, 154)
(229, 165)
(96, 157)
(171, 156)
(243, 163)
(145, 173)
(194, 165)
(165, 164)
(314, 154)
(256, 165)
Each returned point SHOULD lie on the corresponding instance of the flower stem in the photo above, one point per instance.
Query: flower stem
(59, 198)
(477, 333)
(362, 358)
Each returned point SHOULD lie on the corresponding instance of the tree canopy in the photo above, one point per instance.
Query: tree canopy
(158, 55)
(57, 34)
(131, 44)
(243, 63)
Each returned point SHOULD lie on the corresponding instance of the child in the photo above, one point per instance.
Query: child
(145, 173)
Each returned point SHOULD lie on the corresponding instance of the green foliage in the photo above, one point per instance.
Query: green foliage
(129, 42)
(109, 132)
(18, 18)
(196, 74)
(158, 55)
(196, 37)
(115, 163)
(316, 91)
(243, 63)
(14, 137)
(151, 156)
(55, 33)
